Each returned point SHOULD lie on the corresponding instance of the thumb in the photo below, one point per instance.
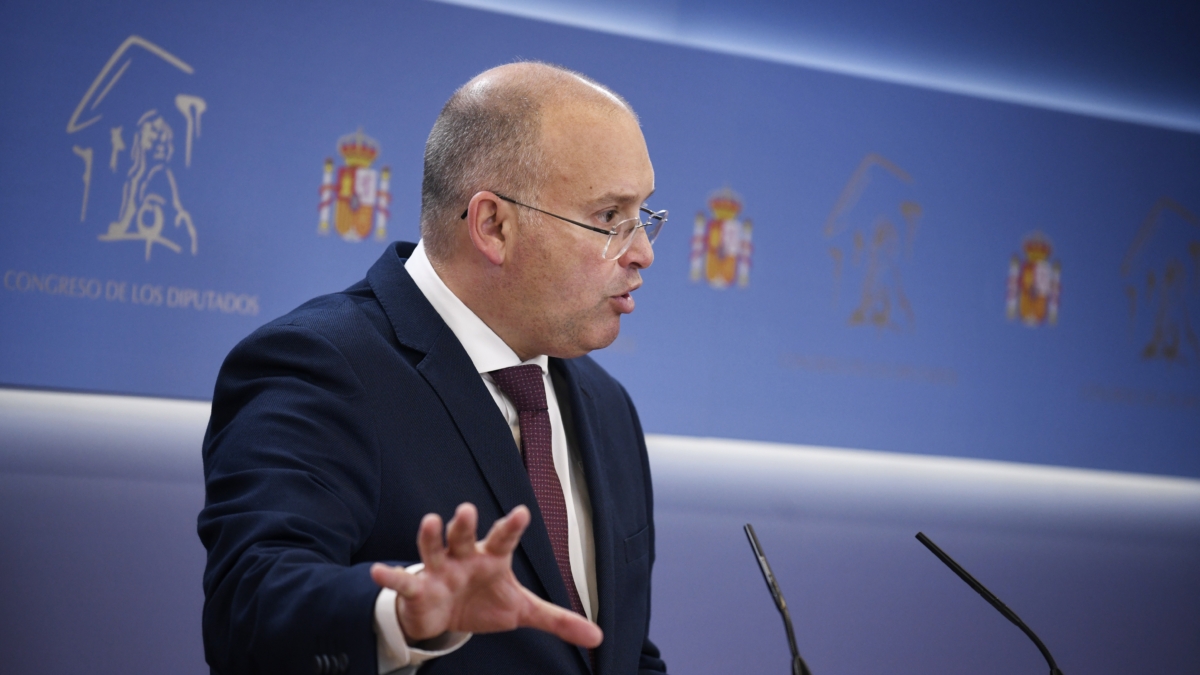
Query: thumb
(564, 623)
(395, 578)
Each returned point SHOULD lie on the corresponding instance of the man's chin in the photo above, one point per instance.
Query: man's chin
(585, 344)
(608, 337)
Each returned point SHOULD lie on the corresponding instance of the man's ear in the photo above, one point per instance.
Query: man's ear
(490, 226)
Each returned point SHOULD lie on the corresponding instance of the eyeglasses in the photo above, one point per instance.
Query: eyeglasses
(620, 237)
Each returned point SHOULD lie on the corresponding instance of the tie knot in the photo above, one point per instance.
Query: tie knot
(523, 386)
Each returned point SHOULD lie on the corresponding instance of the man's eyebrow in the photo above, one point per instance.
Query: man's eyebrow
(619, 198)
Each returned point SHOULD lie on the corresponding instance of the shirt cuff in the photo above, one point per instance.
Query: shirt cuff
(392, 651)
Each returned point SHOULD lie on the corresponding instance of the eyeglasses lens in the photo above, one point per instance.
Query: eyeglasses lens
(654, 225)
(622, 238)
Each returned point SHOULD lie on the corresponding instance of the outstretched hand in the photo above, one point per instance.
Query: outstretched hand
(469, 585)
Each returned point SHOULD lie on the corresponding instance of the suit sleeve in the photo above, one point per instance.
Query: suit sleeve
(291, 463)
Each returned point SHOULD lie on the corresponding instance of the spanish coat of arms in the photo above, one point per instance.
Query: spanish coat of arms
(1034, 283)
(359, 199)
(721, 245)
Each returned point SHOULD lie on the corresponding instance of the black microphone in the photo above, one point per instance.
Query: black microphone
(991, 598)
(799, 667)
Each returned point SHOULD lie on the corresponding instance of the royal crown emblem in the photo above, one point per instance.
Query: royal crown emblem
(360, 199)
(1034, 283)
(721, 244)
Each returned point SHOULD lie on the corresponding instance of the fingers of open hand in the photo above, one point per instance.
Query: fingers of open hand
(460, 534)
(564, 623)
(506, 533)
(429, 541)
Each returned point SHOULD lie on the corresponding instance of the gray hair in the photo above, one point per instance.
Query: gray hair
(488, 137)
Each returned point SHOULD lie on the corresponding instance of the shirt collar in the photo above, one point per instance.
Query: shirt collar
(487, 351)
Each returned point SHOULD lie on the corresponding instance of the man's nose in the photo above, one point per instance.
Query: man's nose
(640, 253)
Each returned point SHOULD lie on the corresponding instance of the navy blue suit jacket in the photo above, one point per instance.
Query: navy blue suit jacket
(335, 428)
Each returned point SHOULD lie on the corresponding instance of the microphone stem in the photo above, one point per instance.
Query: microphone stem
(991, 598)
(791, 634)
(799, 667)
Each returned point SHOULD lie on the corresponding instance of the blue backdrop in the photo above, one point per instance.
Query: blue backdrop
(162, 165)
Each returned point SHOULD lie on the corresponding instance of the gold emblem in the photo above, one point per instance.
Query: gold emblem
(359, 199)
(150, 197)
(872, 233)
(1162, 274)
(721, 245)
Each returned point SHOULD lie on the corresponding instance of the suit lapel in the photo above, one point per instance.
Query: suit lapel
(584, 419)
(451, 374)
(447, 368)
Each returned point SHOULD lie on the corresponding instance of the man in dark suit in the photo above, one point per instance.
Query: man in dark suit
(452, 382)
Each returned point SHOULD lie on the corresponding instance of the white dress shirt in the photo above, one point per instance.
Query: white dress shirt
(488, 352)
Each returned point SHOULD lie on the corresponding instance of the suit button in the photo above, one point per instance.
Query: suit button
(343, 663)
(322, 664)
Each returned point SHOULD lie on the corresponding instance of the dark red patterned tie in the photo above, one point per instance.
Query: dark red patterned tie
(523, 385)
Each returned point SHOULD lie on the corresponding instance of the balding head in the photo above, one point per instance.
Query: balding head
(488, 137)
